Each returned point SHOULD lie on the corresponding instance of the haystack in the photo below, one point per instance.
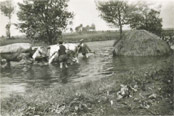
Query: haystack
(141, 43)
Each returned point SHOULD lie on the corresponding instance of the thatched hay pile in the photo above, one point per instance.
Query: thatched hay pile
(141, 43)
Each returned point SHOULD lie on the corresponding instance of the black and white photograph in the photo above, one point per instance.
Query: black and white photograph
(86, 57)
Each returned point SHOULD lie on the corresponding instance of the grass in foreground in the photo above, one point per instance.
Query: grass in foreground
(99, 98)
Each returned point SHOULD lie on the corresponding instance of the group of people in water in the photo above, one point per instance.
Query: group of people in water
(62, 54)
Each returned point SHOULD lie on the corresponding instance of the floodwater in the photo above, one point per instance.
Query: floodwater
(99, 65)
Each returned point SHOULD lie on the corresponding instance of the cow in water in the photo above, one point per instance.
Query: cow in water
(50, 53)
(41, 53)
(71, 52)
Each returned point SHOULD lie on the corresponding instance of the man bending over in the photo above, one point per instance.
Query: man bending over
(83, 48)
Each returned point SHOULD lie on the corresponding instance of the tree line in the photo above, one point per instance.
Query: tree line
(44, 20)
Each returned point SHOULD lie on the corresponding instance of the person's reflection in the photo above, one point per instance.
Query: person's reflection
(64, 75)
(84, 61)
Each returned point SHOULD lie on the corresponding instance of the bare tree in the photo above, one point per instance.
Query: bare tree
(7, 9)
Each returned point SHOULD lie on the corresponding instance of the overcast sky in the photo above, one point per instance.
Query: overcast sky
(86, 13)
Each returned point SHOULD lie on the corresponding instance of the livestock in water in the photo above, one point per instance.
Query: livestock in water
(51, 52)
(40, 53)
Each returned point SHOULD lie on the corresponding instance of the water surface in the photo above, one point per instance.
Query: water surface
(99, 65)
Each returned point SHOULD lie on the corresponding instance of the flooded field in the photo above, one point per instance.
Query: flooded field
(19, 79)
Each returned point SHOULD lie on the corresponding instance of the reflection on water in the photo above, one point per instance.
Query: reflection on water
(98, 65)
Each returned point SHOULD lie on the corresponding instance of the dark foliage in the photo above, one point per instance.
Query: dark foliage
(44, 19)
(146, 18)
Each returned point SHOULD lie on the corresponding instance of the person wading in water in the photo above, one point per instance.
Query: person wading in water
(83, 48)
(62, 55)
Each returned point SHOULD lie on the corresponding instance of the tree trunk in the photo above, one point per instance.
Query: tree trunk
(121, 31)
(8, 30)
(48, 37)
(9, 36)
(50, 40)
(119, 21)
(120, 27)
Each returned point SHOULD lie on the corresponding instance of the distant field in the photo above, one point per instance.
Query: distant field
(76, 37)
(70, 37)
(168, 32)
(91, 36)
(18, 39)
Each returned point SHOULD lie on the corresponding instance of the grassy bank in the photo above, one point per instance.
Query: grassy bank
(71, 37)
(149, 93)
